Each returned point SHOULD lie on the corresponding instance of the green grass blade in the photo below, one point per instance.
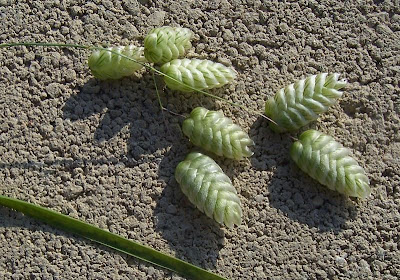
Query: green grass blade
(108, 239)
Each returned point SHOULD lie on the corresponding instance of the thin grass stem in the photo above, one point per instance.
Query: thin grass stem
(148, 66)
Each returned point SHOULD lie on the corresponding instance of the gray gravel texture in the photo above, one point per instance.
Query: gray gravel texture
(102, 152)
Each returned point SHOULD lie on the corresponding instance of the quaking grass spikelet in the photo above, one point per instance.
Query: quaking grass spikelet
(328, 162)
(166, 43)
(206, 185)
(199, 74)
(214, 132)
(298, 104)
(106, 65)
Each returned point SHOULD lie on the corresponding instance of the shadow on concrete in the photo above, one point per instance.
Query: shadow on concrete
(127, 102)
(13, 219)
(54, 166)
(304, 200)
(190, 233)
(293, 192)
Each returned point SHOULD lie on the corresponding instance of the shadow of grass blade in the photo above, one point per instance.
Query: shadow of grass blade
(108, 239)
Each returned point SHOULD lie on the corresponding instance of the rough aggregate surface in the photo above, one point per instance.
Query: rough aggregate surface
(103, 152)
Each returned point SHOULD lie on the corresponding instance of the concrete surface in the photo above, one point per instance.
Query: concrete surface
(102, 152)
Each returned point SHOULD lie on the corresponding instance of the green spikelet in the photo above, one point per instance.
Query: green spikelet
(207, 187)
(106, 65)
(213, 132)
(199, 74)
(328, 162)
(300, 103)
(166, 43)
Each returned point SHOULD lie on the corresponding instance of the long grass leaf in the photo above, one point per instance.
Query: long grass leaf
(108, 239)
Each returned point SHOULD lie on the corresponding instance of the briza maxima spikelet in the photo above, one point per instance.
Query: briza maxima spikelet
(166, 43)
(328, 162)
(106, 65)
(197, 73)
(206, 185)
(300, 103)
(214, 132)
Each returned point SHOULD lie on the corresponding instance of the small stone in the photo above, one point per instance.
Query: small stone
(291, 67)
(44, 150)
(351, 259)
(46, 128)
(379, 265)
(340, 261)
(221, 241)
(380, 253)
(64, 30)
(49, 159)
(228, 35)
(53, 90)
(156, 19)
(224, 61)
(318, 201)
(90, 88)
(171, 209)
(259, 198)
(70, 75)
(298, 199)
(151, 271)
(383, 29)
(73, 191)
(352, 43)
(322, 274)
(246, 49)
(282, 28)
(364, 264)
(75, 10)
(200, 47)
(78, 110)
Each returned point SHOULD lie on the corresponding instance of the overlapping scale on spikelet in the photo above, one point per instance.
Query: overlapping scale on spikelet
(328, 162)
(214, 132)
(106, 65)
(166, 43)
(300, 103)
(199, 74)
(207, 187)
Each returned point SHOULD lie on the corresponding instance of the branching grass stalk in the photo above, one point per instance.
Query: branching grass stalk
(101, 236)
(160, 103)
(143, 64)
(157, 92)
(93, 233)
